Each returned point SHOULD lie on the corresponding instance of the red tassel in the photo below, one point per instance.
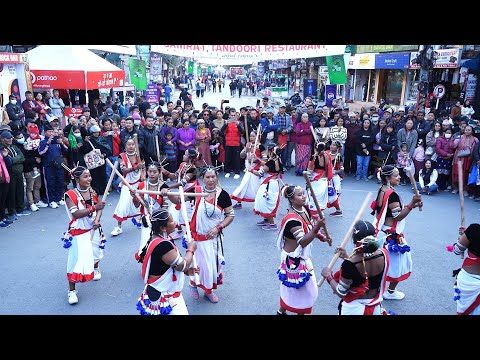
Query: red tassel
(178, 206)
(174, 278)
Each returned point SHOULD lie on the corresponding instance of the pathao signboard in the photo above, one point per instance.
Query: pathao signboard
(67, 79)
(57, 79)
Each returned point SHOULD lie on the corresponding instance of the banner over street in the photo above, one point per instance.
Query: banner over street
(246, 54)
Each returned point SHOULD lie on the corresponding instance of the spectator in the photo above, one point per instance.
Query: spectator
(129, 131)
(30, 104)
(402, 162)
(467, 109)
(16, 193)
(427, 178)
(112, 137)
(285, 127)
(269, 130)
(185, 140)
(233, 131)
(423, 127)
(456, 109)
(303, 149)
(388, 145)
(366, 139)
(168, 91)
(5, 163)
(52, 150)
(444, 148)
(203, 137)
(144, 106)
(431, 140)
(409, 136)
(418, 157)
(466, 142)
(173, 130)
(31, 167)
(15, 113)
(217, 151)
(170, 150)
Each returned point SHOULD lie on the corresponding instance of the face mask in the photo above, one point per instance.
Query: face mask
(20, 141)
(448, 136)
(136, 122)
(374, 119)
(77, 135)
(13, 102)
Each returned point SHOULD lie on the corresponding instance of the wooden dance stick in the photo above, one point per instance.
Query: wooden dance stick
(460, 192)
(157, 148)
(414, 184)
(104, 198)
(153, 192)
(189, 233)
(314, 134)
(255, 146)
(139, 159)
(246, 128)
(348, 235)
(320, 212)
(125, 182)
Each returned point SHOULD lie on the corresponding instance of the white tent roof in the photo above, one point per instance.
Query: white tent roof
(67, 57)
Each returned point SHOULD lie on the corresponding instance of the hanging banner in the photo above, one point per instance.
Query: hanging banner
(155, 64)
(471, 86)
(330, 94)
(190, 67)
(152, 93)
(336, 69)
(138, 73)
(310, 87)
(246, 54)
(443, 58)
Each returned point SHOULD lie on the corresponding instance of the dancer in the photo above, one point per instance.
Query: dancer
(389, 215)
(321, 173)
(186, 176)
(267, 198)
(335, 185)
(298, 288)
(125, 208)
(212, 214)
(163, 269)
(154, 202)
(467, 286)
(84, 252)
(361, 281)
(247, 190)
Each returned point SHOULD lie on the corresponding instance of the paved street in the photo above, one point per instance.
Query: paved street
(33, 261)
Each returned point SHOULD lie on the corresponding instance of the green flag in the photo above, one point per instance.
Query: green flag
(199, 70)
(336, 69)
(138, 73)
(190, 67)
(209, 69)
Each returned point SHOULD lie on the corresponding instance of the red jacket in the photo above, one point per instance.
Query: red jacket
(232, 134)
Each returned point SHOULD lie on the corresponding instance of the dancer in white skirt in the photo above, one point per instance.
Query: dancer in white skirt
(185, 176)
(320, 173)
(361, 280)
(131, 171)
(335, 185)
(267, 198)
(467, 286)
(389, 225)
(298, 288)
(248, 188)
(212, 214)
(154, 202)
(84, 253)
(164, 269)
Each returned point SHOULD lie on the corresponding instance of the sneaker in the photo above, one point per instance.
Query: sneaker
(212, 297)
(72, 297)
(33, 207)
(281, 313)
(471, 197)
(357, 178)
(23, 213)
(61, 202)
(237, 176)
(476, 199)
(336, 213)
(41, 204)
(227, 175)
(194, 292)
(3, 224)
(366, 179)
(53, 205)
(7, 221)
(454, 191)
(396, 295)
(449, 187)
(35, 174)
(370, 177)
(237, 205)
(97, 275)
(270, 227)
(12, 217)
(116, 231)
(263, 222)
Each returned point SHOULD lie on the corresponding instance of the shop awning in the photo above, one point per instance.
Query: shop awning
(472, 64)
(71, 67)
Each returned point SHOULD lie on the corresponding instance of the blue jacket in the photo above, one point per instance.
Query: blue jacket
(50, 152)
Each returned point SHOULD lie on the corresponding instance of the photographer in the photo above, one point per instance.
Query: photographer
(233, 131)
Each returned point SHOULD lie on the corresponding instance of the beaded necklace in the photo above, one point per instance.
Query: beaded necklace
(83, 201)
(303, 214)
(151, 201)
(205, 202)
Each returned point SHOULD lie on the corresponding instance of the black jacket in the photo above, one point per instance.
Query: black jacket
(368, 138)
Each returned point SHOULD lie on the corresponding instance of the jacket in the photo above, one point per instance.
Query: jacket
(411, 140)
(150, 149)
(387, 141)
(233, 132)
(17, 159)
(444, 146)
(366, 137)
(304, 133)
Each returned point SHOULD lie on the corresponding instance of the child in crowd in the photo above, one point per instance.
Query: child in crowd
(171, 153)
(418, 157)
(402, 162)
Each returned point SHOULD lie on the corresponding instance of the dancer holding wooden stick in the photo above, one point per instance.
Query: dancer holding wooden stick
(298, 289)
(84, 252)
(389, 221)
(129, 166)
(467, 285)
(361, 280)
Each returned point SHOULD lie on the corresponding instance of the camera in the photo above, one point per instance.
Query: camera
(258, 102)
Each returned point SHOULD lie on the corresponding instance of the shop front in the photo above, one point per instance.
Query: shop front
(362, 66)
(13, 79)
(391, 77)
